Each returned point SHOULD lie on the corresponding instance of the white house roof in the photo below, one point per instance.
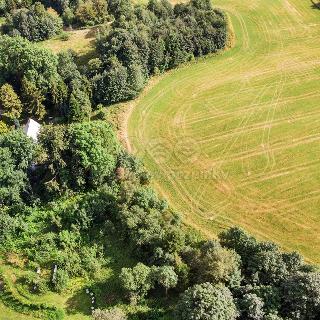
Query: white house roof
(32, 129)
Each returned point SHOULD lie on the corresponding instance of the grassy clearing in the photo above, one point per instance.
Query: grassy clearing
(81, 41)
(74, 301)
(234, 139)
(8, 314)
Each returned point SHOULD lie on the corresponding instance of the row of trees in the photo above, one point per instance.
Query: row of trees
(221, 285)
(144, 41)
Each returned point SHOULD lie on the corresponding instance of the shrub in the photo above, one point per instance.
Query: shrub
(60, 280)
(251, 307)
(91, 12)
(215, 264)
(111, 314)
(3, 127)
(16, 153)
(64, 36)
(164, 276)
(36, 283)
(93, 151)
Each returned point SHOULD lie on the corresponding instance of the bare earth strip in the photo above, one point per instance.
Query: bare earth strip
(235, 139)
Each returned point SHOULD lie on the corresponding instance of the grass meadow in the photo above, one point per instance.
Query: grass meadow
(80, 41)
(234, 139)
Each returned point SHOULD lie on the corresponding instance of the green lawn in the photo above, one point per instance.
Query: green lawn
(8, 314)
(235, 139)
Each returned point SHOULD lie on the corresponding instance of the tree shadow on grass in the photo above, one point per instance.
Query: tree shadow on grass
(106, 291)
(92, 32)
(83, 59)
(79, 303)
(315, 5)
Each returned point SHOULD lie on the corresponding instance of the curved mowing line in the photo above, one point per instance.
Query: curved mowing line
(234, 139)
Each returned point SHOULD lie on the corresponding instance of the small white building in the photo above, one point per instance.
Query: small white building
(32, 129)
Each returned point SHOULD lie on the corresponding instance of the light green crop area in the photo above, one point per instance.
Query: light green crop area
(235, 139)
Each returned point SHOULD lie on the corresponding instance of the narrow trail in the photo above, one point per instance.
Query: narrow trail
(235, 139)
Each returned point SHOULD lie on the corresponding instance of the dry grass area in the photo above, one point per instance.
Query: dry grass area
(81, 41)
(235, 139)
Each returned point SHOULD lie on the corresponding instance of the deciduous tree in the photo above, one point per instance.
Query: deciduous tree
(10, 104)
(206, 302)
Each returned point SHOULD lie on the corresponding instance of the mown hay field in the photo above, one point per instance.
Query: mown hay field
(234, 139)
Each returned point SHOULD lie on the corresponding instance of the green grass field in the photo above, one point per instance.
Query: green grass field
(235, 139)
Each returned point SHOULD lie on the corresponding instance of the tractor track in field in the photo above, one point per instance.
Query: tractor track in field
(247, 121)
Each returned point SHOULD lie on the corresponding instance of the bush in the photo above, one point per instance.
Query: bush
(251, 307)
(164, 276)
(91, 12)
(60, 280)
(16, 154)
(10, 103)
(64, 36)
(93, 151)
(111, 314)
(215, 264)
(36, 283)
(3, 127)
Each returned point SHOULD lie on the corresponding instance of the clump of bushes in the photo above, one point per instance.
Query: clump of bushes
(35, 283)
(111, 314)
(60, 280)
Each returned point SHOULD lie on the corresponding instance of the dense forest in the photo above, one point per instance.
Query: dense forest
(71, 198)
(140, 42)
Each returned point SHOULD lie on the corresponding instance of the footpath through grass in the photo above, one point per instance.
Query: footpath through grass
(235, 139)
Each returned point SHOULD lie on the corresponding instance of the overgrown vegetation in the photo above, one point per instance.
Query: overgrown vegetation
(66, 198)
(67, 230)
(140, 42)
